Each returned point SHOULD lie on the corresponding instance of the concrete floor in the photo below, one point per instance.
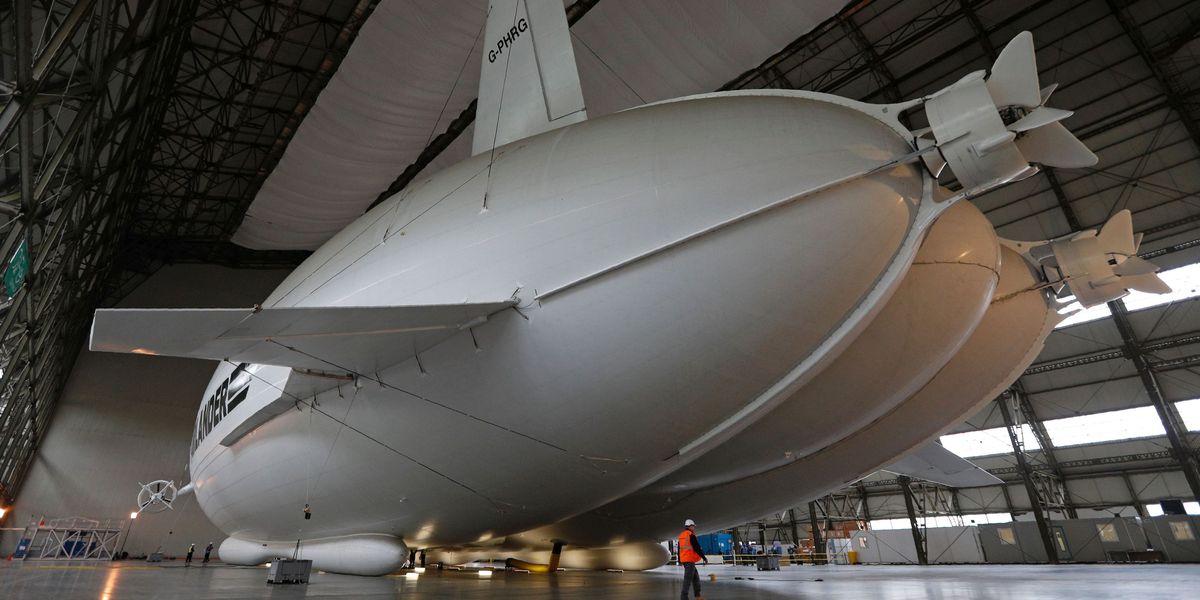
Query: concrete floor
(137, 581)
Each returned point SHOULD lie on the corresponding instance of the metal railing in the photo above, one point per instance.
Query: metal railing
(799, 558)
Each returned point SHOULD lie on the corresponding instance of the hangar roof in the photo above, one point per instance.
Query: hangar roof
(415, 68)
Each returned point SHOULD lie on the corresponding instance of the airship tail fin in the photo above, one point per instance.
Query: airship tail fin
(355, 339)
(932, 462)
(529, 83)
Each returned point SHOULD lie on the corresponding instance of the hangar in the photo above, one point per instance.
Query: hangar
(191, 153)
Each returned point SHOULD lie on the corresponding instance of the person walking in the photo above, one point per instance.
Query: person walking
(207, 552)
(690, 554)
(187, 562)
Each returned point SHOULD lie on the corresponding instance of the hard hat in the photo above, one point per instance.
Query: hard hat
(689, 523)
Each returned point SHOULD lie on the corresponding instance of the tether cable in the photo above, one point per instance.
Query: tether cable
(314, 409)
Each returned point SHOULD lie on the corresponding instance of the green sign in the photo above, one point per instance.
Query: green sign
(18, 268)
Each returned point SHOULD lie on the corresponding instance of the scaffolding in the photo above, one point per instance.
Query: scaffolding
(72, 538)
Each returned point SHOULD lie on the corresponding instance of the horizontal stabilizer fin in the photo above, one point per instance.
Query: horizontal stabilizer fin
(360, 339)
(932, 462)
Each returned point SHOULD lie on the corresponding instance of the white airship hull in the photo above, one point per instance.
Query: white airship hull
(920, 329)
(596, 388)
(701, 308)
(1004, 343)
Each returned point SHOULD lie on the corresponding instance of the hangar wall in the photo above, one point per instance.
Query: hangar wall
(123, 419)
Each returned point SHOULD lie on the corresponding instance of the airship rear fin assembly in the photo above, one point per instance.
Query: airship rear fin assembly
(1098, 266)
(529, 83)
(932, 462)
(996, 129)
(359, 339)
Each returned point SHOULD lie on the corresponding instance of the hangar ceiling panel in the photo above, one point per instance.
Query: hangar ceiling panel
(1078, 339)
(1165, 320)
(415, 66)
(1179, 384)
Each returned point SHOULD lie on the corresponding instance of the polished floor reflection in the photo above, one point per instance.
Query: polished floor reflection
(146, 582)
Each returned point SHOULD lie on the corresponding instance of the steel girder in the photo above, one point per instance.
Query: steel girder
(1184, 454)
(248, 74)
(84, 91)
(1145, 347)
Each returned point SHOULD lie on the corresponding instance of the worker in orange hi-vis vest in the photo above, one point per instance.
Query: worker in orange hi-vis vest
(690, 554)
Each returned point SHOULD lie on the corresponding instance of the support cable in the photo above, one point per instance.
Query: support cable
(379, 380)
(499, 114)
(314, 408)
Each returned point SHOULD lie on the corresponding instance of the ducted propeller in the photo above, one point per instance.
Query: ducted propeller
(996, 128)
(1104, 266)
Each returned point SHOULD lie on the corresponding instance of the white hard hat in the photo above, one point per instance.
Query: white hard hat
(689, 523)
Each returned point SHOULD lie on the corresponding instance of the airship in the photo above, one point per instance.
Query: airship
(712, 307)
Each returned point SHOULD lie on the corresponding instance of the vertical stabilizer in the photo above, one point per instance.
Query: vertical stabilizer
(529, 82)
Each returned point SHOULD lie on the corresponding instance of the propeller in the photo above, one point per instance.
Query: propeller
(156, 496)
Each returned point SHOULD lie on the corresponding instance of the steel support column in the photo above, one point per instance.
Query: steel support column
(866, 509)
(791, 513)
(1176, 432)
(1047, 446)
(911, 510)
(818, 540)
(1133, 496)
(26, 86)
(1035, 500)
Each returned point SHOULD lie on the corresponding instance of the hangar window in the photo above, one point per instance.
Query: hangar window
(1105, 427)
(1108, 532)
(1007, 536)
(986, 442)
(941, 521)
(1155, 510)
(1002, 517)
(1084, 315)
(1190, 411)
(1182, 530)
(885, 524)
